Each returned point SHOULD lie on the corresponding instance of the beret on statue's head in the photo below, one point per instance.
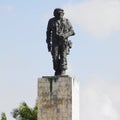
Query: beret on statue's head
(58, 10)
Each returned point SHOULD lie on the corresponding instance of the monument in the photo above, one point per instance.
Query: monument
(58, 95)
(58, 31)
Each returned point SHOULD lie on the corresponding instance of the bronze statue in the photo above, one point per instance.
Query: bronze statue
(58, 31)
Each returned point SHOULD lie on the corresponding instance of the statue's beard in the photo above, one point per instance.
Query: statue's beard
(59, 17)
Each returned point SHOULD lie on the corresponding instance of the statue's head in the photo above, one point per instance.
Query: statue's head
(58, 13)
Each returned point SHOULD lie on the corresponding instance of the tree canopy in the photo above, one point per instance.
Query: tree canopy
(24, 112)
(3, 116)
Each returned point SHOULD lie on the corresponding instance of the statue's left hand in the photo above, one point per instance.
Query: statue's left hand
(62, 36)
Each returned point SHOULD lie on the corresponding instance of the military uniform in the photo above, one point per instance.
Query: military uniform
(58, 32)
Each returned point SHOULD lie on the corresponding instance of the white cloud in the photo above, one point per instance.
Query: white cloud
(6, 9)
(98, 17)
(99, 100)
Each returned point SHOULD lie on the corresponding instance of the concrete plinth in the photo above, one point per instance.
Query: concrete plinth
(56, 100)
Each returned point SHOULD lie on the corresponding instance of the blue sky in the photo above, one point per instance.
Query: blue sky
(94, 58)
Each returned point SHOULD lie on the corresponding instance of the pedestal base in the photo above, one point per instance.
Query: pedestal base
(55, 98)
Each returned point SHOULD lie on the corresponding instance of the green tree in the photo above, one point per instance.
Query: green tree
(24, 112)
(3, 116)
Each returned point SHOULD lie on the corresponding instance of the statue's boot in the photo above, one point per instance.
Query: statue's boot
(63, 72)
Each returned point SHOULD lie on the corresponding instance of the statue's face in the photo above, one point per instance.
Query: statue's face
(59, 15)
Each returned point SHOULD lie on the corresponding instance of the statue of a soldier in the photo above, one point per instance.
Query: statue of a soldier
(58, 31)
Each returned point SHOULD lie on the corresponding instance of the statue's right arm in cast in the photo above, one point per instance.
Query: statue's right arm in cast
(49, 35)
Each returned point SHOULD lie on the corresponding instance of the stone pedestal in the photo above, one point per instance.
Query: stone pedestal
(56, 100)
